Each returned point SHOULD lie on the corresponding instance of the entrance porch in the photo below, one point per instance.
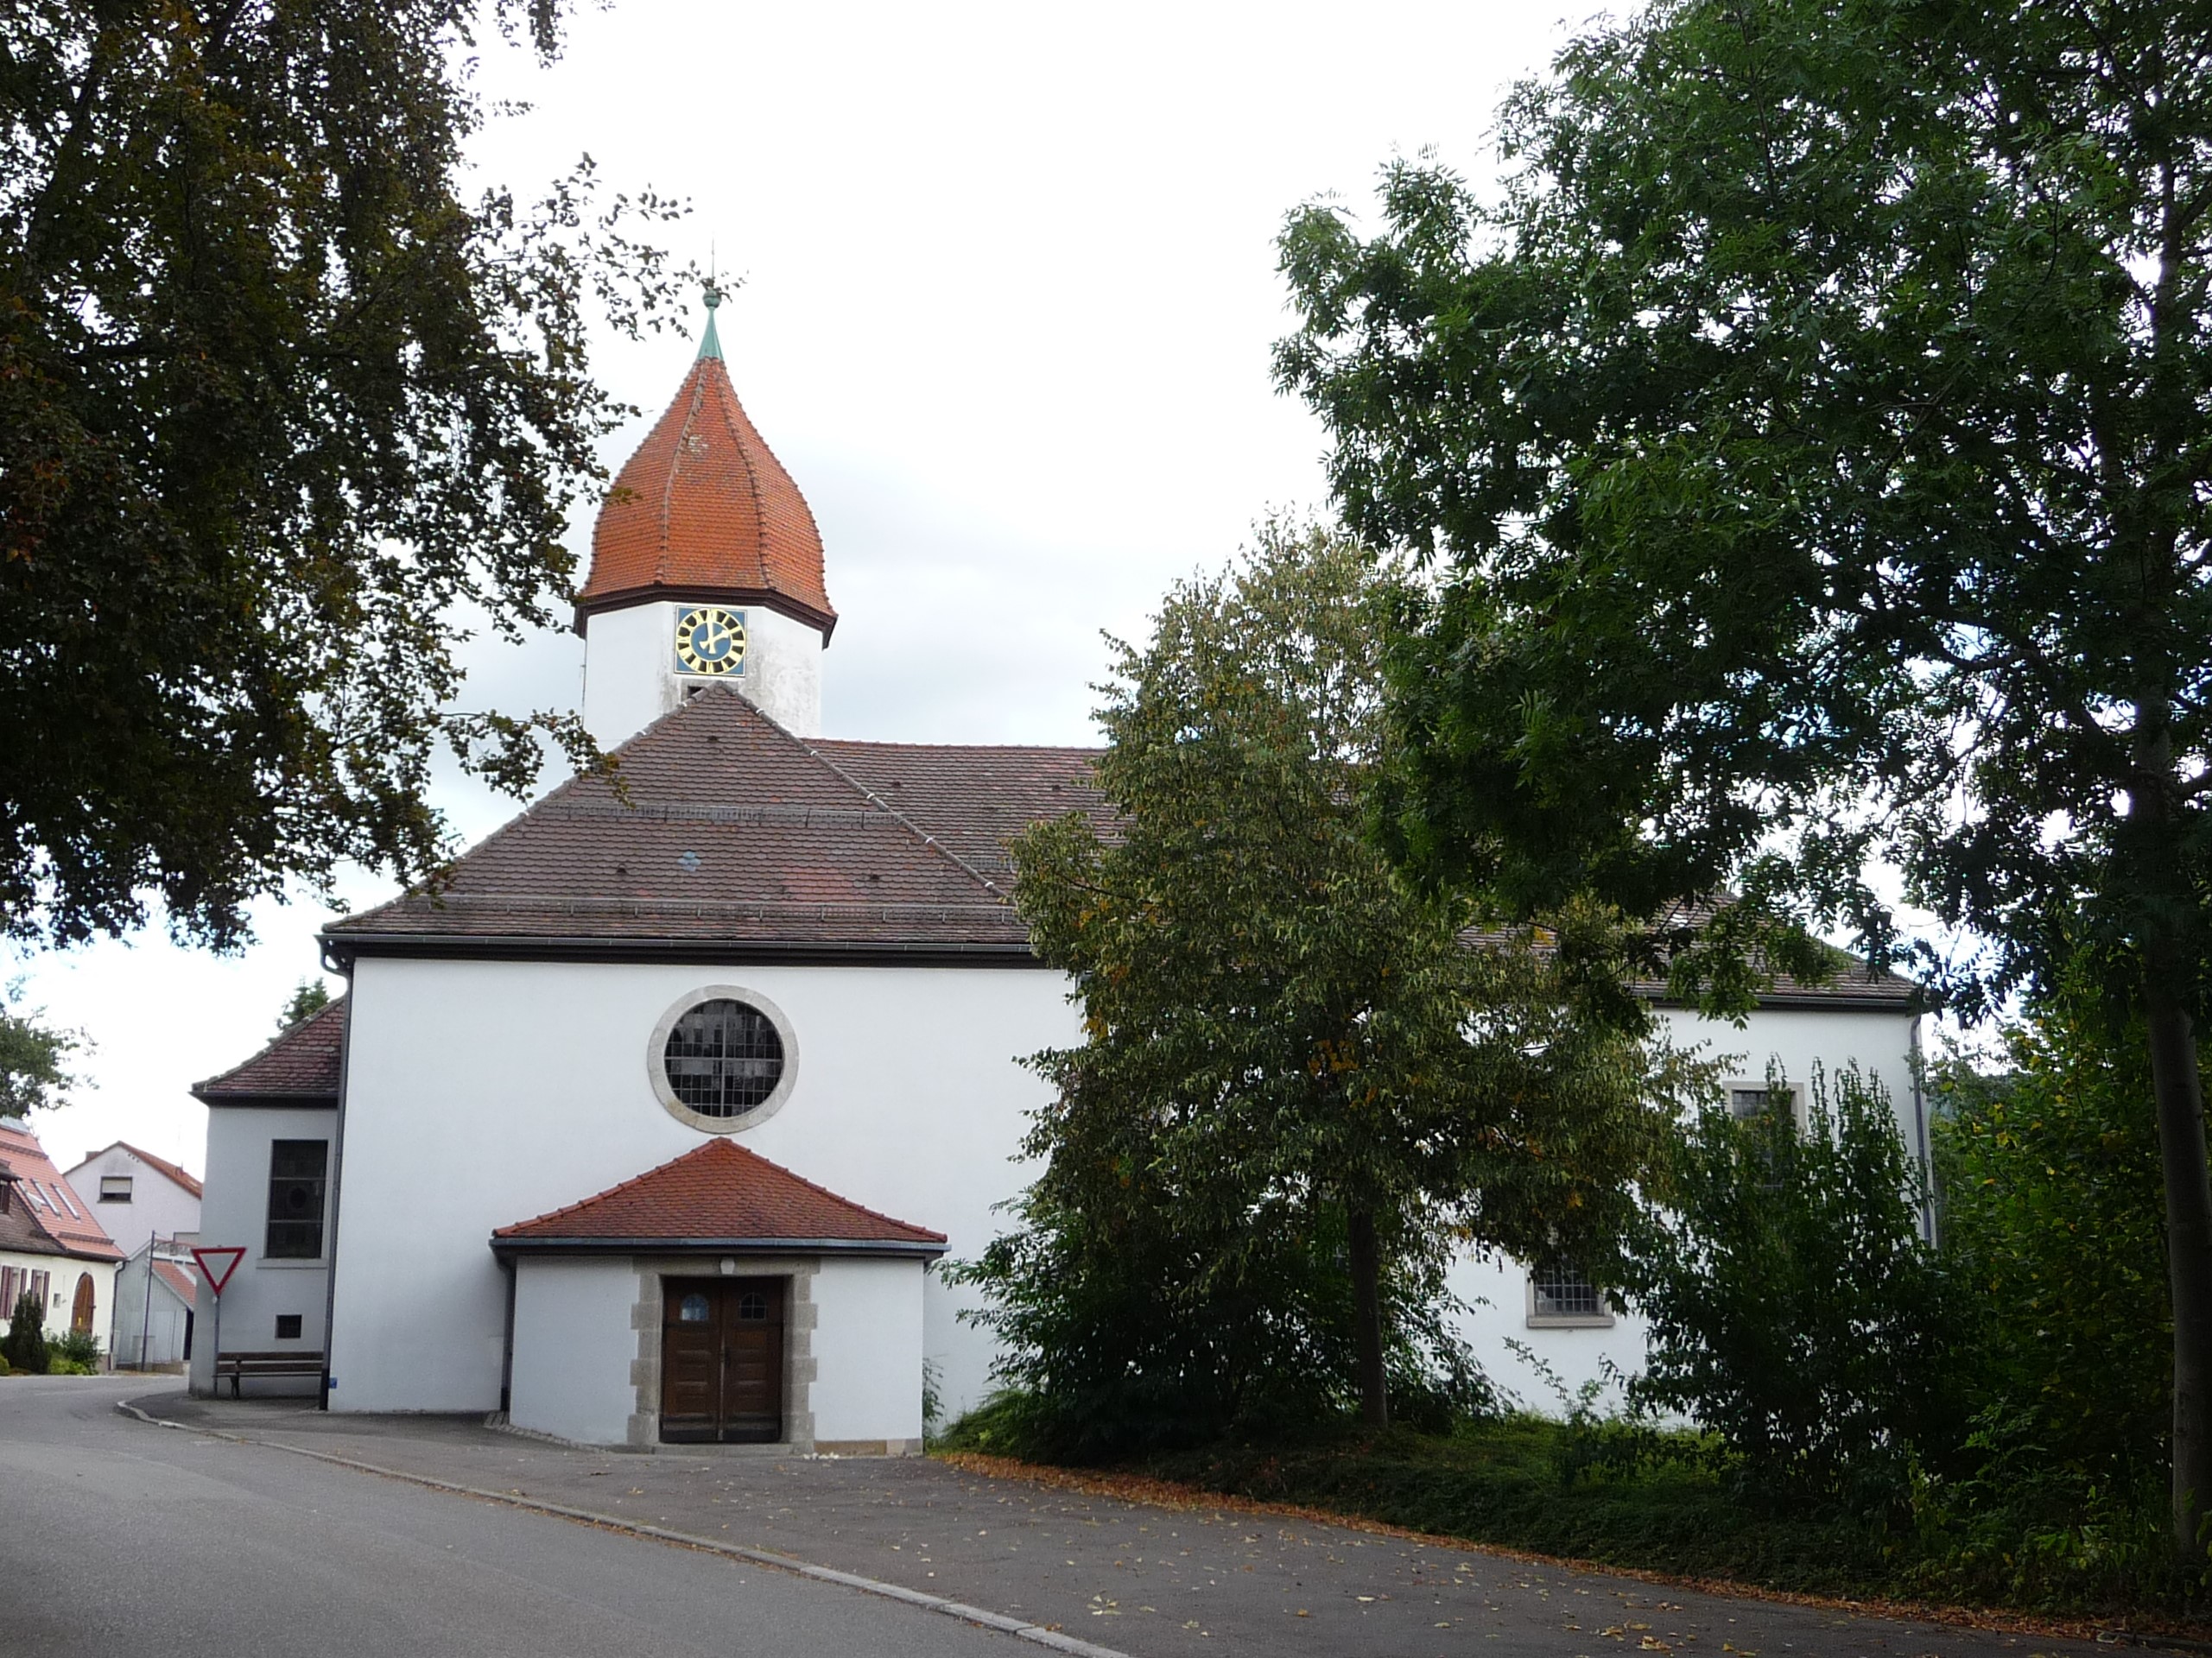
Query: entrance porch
(717, 1300)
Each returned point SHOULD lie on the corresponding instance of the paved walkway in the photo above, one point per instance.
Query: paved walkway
(1151, 1582)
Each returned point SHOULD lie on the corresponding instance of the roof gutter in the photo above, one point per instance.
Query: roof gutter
(343, 949)
(915, 1247)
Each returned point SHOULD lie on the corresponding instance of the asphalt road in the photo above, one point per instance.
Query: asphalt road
(119, 1540)
(1141, 1580)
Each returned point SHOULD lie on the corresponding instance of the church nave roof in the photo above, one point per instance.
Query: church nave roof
(736, 832)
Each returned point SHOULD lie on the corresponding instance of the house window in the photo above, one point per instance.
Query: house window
(722, 1059)
(1746, 1104)
(1562, 1295)
(288, 1326)
(296, 1173)
(115, 1188)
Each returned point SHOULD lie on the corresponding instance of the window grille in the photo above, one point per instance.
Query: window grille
(297, 1169)
(288, 1326)
(724, 1058)
(1563, 1292)
(752, 1306)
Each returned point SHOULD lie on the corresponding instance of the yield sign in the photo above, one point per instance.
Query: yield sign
(218, 1265)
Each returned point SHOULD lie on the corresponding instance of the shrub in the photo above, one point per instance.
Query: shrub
(24, 1346)
(1796, 1310)
(6, 1369)
(80, 1349)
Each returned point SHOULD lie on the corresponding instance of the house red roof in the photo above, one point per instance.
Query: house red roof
(721, 1194)
(301, 1064)
(60, 1213)
(704, 510)
(179, 1281)
(161, 1165)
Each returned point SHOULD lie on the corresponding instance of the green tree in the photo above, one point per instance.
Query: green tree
(1299, 1074)
(1815, 439)
(279, 406)
(1795, 1307)
(24, 1346)
(309, 998)
(2049, 1169)
(34, 1058)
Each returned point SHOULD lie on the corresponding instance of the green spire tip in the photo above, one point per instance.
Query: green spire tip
(710, 343)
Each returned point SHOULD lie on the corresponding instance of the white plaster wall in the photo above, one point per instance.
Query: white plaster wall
(631, 676)
(63, 1272)
(483, 1093)
(161, 1314)
(573, 1347)
(1791, 1041)
(235, 1212)
(157, 1204)
(867, 1348)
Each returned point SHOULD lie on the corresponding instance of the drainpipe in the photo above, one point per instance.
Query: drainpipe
(507, 1345)
(1920, 1130)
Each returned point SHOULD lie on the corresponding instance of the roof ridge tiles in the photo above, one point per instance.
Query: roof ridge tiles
(869, 794)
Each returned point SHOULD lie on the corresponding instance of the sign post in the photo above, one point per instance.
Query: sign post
(216, 1265)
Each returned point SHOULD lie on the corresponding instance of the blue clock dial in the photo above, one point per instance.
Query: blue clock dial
(711, 640)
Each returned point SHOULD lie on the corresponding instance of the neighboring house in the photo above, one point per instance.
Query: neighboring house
(136, 1195)
(647, 1122)
(156, 1303)
(51, 1247)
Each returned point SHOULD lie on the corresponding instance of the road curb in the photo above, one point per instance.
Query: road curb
(1035, 1634)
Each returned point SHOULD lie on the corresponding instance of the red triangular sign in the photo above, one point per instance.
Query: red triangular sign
(218, 1265)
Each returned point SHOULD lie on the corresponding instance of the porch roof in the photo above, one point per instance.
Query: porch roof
(717, 1199)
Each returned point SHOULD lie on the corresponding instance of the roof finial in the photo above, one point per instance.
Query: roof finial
(710, 343)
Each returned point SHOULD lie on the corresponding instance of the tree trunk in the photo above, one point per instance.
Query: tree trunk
(1367, 1318)
(2180, 1093)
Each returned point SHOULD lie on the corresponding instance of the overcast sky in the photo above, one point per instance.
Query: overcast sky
(1008, 293)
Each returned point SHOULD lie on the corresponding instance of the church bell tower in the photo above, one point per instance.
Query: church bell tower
(707, 568)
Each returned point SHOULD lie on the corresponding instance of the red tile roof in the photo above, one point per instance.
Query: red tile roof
(161, 1165)
(60, 1213)
(179, 1281)
(736, 832)
(721, 1193)
(301, 1063)
(704, 509)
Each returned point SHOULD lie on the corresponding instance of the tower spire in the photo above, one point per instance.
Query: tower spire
(710, 343)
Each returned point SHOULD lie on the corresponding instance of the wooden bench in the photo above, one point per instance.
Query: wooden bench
(238, 1366)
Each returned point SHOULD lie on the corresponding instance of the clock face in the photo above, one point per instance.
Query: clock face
(711, 640)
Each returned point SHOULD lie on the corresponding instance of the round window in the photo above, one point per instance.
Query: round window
(722, 1058)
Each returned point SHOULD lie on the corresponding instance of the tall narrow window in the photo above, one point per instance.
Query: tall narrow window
(296, 1173)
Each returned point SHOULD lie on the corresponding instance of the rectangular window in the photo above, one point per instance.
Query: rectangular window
(1745, 1104)
(115, 1188)
(7, 1293)
(296, 1172)
(1563, 1295)
(39, 1282)
(288, 1326)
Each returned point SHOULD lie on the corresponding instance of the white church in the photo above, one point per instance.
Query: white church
(649, 1124)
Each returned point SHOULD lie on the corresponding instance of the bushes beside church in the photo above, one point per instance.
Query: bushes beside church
(1983, 1418)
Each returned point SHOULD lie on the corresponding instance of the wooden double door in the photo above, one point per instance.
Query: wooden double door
(722, 1360)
